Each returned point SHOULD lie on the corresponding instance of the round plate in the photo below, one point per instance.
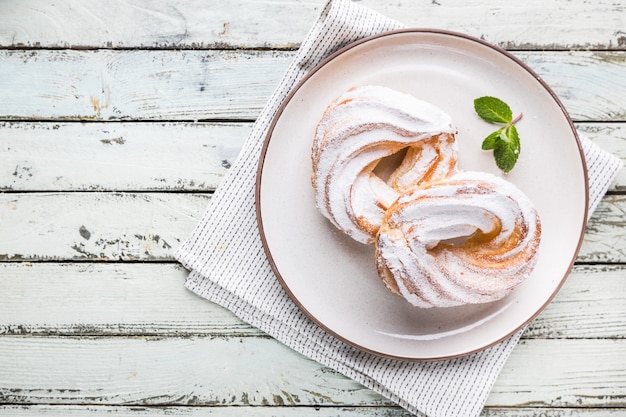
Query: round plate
(333, 278)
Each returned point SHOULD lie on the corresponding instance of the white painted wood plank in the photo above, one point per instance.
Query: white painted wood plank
(159, 24)
(117, 156)
(201, 85)
(559, 375)
(221, 411)
(161, 371)
(62, 156)
(107, 299)
(97, 226)
(150, 299)
(567, 72)
(154, 85)
(282, 411)
(150, 226)
(589, 305)
(604, 237)
(260, 371)
(192, 24)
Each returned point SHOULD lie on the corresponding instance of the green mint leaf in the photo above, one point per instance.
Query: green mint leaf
(490, 141)
(492, 109)
(513, 137)
(505, 141)
(506, 151)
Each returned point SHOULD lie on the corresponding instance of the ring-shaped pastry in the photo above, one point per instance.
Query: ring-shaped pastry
(363, 127)
(467, 239)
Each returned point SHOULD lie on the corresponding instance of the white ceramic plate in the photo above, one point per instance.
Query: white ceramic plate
(333, 279)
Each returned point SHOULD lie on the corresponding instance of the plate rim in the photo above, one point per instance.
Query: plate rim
(285, 102)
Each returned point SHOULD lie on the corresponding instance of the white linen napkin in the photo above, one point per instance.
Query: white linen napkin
(229, 267)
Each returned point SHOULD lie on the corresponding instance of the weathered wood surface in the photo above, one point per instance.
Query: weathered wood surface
(137, 85)
(249, 411)
(116, 226)
(115, 129)
(532, 24)
(161, 156)
(138, 299)
(285, 411)
(118, 156)
(261, 371)
(234, 85)
(96, 226)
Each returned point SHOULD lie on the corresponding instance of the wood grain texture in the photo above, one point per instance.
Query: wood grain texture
(260, 371)
(119, 226)
(137, 85)
(121, 299)
(96, 226)
(560, 375)
(172, 156)
(117, 122)
(235, 85)
(113, 299)
(266, 24)
(117, 156)
(604, 236)
(587, 306)
(169, 371)
(249, 411)
(282, 411)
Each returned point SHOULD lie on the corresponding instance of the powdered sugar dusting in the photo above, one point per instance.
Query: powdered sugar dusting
(443, 237)
(498, 232)
(357, 130)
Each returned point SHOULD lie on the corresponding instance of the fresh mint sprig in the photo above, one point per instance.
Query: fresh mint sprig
(505, 141)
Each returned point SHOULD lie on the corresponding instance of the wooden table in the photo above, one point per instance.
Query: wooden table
(118, 121)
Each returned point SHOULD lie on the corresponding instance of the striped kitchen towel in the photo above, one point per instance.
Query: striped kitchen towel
(238, 275)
